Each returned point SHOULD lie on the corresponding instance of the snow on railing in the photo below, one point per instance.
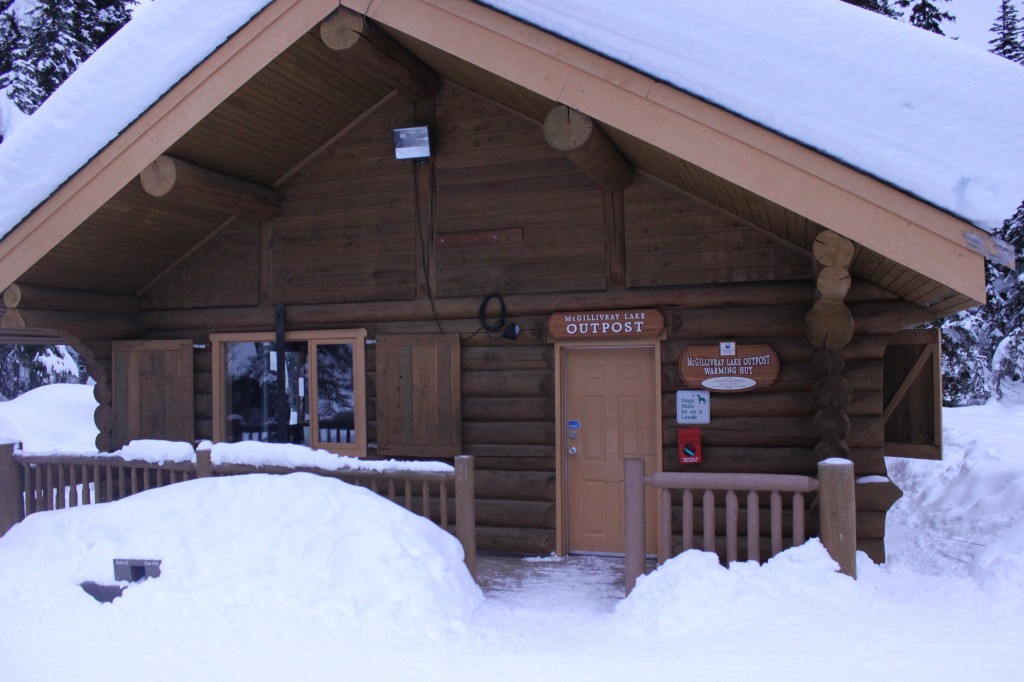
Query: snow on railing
(34, 482)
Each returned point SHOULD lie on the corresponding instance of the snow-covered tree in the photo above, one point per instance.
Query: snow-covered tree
(51, 40)
(926, 14)
(1009, 33)
(983, 348)
(884, 7)
(24, 367)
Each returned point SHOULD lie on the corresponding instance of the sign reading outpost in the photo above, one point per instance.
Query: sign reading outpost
(729, 368)
(607, 324)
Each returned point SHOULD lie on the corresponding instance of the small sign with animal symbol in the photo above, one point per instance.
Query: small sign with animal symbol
(693, 407)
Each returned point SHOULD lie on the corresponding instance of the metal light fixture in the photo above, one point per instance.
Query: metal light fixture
(511, 332)
(412, 143)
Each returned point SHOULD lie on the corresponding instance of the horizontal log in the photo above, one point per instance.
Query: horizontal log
(526, 384)
(83, 326)
(358, 314)
(757, 459)
(532, 541)
(516, 485)
(776, 431)
(830, 324)
(833, 283)
(831, 249)
(52, 298)
(879, 496)
(515, 513)
(887, 317)
(513, 433)
(587, 147)
(506, 357)
(177, 180)
(354, 36)
(480, 409)
(873, 547)
(500, 457)
(103, 393)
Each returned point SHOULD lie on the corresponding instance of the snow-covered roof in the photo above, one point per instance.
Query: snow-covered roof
(934, 118)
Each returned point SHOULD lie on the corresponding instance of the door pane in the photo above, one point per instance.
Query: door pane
(335, 393)
(252, 392)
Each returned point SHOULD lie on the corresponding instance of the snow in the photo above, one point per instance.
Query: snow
(300, 577)
(50, 419)
(106, 94)
(931, 116)
(934, 117)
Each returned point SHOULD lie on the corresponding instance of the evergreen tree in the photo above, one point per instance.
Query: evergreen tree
(58, 36)
(983, 348)
(925, 14)
(1009, 40)
(883, 7)
(10, 35)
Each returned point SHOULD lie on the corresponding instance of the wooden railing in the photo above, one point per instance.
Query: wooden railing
(33, 483)
(835, 499)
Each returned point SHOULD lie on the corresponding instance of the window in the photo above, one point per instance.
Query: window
(324, 389)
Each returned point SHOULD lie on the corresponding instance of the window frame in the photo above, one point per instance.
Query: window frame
(313, 339)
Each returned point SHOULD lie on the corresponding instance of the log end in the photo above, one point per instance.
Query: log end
(158, 178)
(566, 129)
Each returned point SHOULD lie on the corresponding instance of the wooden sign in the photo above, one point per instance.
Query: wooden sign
(637, 323)
(729, 368)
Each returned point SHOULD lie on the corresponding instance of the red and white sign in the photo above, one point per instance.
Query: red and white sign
(689, 445)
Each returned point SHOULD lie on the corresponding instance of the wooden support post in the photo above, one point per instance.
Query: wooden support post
(578, 137)
(351, 34)
(11, 507)
(838, 508)
(465, 509)
(204, 463)
(636, 527)
(181, 181)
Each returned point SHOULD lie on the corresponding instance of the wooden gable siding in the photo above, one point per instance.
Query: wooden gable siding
(676, 239)
(224, 271)
(140, 226)
(495, 172)
(347, 230)
(281, 115)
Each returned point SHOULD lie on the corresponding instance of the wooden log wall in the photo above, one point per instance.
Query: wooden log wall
(511, 215)
(677, 239)
(517, 215)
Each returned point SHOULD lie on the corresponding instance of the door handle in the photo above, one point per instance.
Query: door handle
(572, 450)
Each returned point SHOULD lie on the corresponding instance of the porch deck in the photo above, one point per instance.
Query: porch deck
(574, 584)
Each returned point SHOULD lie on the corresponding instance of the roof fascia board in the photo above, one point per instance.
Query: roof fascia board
(882, 218)
(268, 34)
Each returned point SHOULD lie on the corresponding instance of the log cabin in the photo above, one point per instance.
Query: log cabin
(436, 228)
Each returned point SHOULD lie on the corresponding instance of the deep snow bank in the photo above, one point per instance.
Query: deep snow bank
(255, 553)
(53, 418)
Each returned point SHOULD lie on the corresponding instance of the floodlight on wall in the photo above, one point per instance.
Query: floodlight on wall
(511, 332)
(412, 143)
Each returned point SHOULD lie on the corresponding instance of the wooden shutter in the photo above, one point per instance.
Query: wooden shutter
(912, 394)
(152, 391)
(418, 395)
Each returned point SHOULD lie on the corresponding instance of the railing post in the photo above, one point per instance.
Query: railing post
(465, 509)
(204, 464)
(636, 531)
(838, 512)
(12, 506)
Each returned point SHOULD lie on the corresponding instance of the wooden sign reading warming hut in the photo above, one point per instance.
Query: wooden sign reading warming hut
(643, 323)
(749, 367)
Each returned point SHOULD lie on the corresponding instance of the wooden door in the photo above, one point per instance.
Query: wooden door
(611, 393)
